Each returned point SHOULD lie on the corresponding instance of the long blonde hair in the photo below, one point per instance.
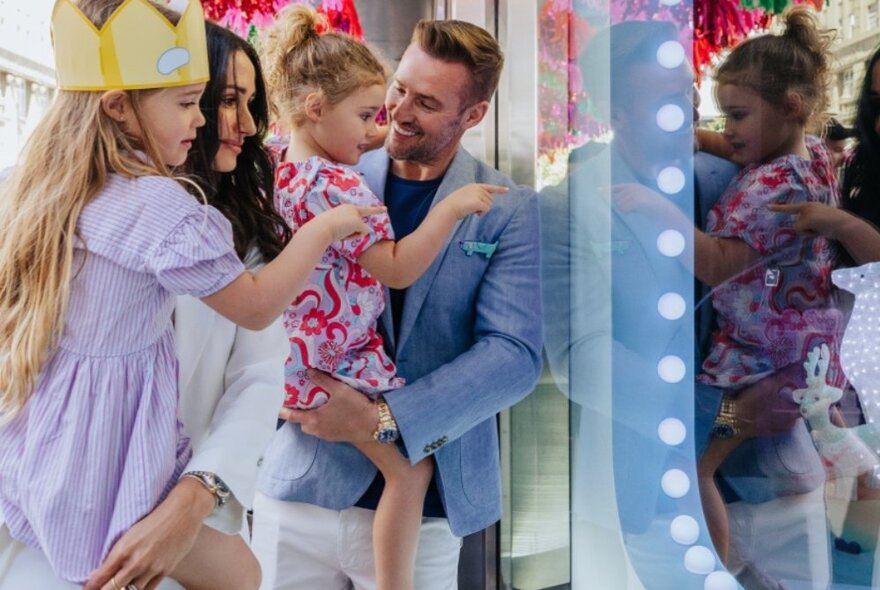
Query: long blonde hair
(40, 204)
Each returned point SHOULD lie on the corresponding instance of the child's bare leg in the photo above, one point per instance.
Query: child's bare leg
(713, 504)
(218, 561)
(398, 515)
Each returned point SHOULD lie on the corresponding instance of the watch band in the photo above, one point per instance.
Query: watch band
(386, 430)
(726, 423)
(213, 484)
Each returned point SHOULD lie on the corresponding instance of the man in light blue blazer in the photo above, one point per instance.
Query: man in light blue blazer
(466, 337)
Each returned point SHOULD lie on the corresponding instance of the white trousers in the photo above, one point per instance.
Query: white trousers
(785, 539)
(306, 547)
(25, 568)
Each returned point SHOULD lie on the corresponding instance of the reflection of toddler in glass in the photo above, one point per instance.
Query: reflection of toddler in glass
(328, 89)
(772, 287)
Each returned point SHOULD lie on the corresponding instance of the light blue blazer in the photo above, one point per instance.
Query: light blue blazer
(469, 346)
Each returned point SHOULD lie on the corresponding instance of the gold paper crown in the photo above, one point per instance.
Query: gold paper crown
(136, 48)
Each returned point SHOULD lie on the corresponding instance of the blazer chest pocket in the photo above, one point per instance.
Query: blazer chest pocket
(290, 454)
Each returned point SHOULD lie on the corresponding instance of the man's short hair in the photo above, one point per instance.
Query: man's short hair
(456, 41)
(612, 53)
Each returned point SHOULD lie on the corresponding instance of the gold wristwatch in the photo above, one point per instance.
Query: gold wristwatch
(213, 484)
(386, 431)
(726, 424)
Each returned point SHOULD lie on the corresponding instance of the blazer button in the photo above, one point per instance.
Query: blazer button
(427, 449)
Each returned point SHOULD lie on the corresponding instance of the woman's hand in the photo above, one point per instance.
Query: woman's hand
(151, 549)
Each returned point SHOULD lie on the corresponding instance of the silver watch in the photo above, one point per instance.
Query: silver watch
(213, 484)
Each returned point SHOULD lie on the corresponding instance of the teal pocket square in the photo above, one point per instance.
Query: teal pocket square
(471, 247)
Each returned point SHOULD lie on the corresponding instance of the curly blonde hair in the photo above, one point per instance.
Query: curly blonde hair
(299, 59)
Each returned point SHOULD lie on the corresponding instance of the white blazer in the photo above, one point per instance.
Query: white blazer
(231, 388)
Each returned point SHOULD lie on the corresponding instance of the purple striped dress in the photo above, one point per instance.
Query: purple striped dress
(99, 442)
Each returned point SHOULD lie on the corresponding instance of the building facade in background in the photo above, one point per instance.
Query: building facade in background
(27, 78)
(858, 34)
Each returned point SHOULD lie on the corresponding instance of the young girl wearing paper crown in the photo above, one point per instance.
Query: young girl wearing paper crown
(96, 238)
(327, 89)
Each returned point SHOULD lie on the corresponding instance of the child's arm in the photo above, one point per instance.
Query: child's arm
(218, 561)
(718, 259)
(858, 236)
(254, 300)
(715, 259)
(713, 142)
(399, 264)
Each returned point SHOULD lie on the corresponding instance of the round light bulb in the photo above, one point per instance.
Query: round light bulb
(670, 117)
(671, 368)
(684, 530)
(671, 306)
(671, 180)
(671, 243)
(720, 581)
(672, 431)
(699, 560)
(675, 483)
(670, 54)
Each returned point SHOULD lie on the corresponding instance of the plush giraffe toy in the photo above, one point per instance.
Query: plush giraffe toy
(848, 451)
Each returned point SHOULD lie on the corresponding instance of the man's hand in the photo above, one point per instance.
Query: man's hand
(631, 197)
(348, 416)
(152, 548)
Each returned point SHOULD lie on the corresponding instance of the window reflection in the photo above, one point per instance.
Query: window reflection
(629, 328)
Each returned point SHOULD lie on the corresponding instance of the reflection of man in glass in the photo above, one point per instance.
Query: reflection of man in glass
(605, 338)
(607, 332)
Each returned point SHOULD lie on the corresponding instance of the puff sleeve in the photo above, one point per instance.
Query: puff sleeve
(197, 257)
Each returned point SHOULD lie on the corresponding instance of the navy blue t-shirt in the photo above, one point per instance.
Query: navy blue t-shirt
(408, 203)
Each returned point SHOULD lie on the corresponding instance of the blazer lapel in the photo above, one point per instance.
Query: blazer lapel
(462, 170)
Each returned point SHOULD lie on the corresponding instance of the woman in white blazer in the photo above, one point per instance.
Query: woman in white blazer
(231, 379)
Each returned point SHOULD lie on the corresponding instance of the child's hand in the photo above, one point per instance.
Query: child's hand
(347, 220)
(473, 198)
(814, 218)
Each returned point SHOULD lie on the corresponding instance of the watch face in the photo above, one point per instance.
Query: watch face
(387, 435)
(723, 431)
(221, 486)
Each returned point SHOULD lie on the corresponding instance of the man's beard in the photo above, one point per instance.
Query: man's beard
(426, 149)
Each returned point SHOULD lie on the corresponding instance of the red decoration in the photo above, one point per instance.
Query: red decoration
(246, 16)
(719, 24)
